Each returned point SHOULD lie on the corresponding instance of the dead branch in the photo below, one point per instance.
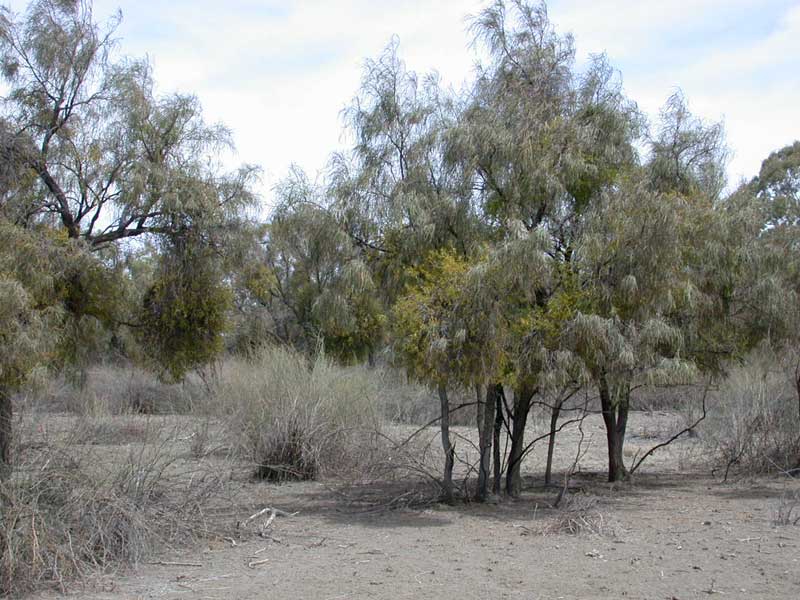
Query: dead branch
(253, 564)
(702, 417)
(275, 512)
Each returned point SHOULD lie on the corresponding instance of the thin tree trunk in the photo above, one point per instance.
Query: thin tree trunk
(615, 418)
(522, 405)
(551, 441)
(6, 430)
(447, 446)
(797, 387)
(485, 419)
(498, 428)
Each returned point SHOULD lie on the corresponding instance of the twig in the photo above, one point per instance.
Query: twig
(255, 563)
(568, 475)
(165, 563)
(674, 437)
(268, 522)
(276, 512)
(431, 423)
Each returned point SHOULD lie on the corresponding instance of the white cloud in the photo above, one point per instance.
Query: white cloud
(279, 72)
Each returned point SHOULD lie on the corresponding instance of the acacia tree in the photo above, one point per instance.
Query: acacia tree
(542, 143)
(421, 323)
(95, 151)
(320, 288)
(111, 160)
(403, 199)
(396, 193)
(776, 192)
(31, 301)
(93, 158)
(630, 257)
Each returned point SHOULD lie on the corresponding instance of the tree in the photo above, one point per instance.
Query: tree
(93, 159)
(185, 311)
(687, 156)
(631, 263)
(110, 160)
(396, 193)
(776, 190)
(422, 319)
(30, 316)
(321, 289)
(543, 143)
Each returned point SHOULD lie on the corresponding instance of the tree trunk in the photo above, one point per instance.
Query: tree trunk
(6, 425)
(551, 441)
(447, 446)
(797, 387)
(522, 405)
(498, 428)
(615, 418)
(485, 416)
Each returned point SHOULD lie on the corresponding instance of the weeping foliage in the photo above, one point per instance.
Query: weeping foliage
(321, 287)
(93, 147)
(398, 194)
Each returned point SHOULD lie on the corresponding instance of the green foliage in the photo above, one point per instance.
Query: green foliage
(318, 282)
(93, 146)
(31, 315)
(185, 311)
(422, 320)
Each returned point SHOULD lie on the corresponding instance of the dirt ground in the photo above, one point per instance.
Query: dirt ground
(675, 532)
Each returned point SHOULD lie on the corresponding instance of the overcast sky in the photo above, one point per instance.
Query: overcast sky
(278, 72)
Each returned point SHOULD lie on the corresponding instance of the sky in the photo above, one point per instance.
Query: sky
(279, 72)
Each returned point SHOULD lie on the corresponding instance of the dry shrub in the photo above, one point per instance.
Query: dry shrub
(787, 512)
(752, 424)
(71, 509)
(403, 401)
(119, 390)
(579, 515)
(296, 419)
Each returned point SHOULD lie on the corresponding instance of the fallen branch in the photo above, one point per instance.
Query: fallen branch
(164, 563)
(255, 563)
(275, 512)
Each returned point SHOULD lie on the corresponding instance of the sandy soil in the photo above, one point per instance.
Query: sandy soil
(667, 535)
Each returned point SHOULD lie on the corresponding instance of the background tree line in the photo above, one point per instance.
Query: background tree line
(531, 238)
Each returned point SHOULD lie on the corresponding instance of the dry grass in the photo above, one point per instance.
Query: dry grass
(787, 511)
(117, 390)
(407, 402)
(752, 425)
(295, 419)
(73, 508)
(579, 515)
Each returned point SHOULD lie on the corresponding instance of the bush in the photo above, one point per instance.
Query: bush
(72, 508)
(296, 419)
(117, 390)
(752, 425)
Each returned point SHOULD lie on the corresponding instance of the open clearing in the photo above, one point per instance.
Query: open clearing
(667, 535)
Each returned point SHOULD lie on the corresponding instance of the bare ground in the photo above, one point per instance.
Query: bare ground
(675, 532)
